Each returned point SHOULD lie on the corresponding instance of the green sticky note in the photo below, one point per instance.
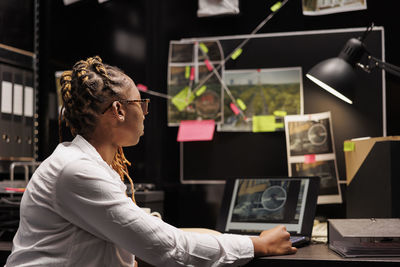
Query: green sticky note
(187, 72)
(348, 146)
(203, 47)
(241, 104)
(201, 90)
(264, 123)
(276, 6)
(183, 98)
(237, 53)
(280, 113)
(279, 125)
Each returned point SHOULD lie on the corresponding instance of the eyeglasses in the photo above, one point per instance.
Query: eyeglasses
(144, 104)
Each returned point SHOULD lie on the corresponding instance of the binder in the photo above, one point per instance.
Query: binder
(17, 121)
(6, 112)
(17, 102)
(28, 122)
(364, 237)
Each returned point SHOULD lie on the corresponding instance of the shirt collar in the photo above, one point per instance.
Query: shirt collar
(86, 147)
(90, 150)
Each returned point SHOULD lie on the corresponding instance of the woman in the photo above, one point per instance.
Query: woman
(75, 211)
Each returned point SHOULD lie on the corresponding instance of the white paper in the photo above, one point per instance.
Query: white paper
(217, 7)
(17, 100)
(6, 97)
(28, 102)
(315, 8)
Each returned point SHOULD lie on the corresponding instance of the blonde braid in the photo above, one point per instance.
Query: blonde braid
(119, 164)
(65, 82)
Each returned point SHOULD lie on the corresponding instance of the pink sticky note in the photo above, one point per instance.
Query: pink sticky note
(309, 158)
(234, 108)
(196, 130)
(192, 74)
(141, 87)
(208, 65)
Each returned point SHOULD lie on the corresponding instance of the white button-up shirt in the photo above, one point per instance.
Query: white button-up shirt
(75, 212)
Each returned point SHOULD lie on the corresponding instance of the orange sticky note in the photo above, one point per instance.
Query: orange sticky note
(196, 130)
(141, 87)
(309, 158)
(208, 65)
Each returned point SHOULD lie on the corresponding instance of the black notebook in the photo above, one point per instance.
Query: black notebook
(251, 205)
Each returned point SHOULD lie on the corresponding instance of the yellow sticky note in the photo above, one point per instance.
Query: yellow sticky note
(348, 146)
(201, 90)
(187, 72)
(276, 6)
(279, 125)
(237, 53)
(264, 123)
(280, 113)
(241, 104)
(183, 98)
(203, 47)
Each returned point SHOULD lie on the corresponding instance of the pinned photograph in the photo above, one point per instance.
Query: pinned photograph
(309, 137)
(194, 93)
(311, 152)
(324, 169)
(263, 97)
(324, 7)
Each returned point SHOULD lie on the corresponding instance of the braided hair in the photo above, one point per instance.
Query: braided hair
(84, 91)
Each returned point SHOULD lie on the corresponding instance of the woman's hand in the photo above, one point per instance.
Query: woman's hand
(273, 242)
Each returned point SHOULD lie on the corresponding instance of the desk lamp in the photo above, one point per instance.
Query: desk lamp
(337, 75)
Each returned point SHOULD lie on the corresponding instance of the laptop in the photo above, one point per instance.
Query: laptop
(253, 204)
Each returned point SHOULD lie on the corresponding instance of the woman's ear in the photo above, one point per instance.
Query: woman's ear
(118, 111)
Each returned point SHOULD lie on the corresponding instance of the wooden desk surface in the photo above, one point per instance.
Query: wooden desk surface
(321, 255)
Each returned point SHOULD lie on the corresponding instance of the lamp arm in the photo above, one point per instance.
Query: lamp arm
(374, 62)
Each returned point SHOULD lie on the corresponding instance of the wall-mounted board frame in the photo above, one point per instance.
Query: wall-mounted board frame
(232, 154)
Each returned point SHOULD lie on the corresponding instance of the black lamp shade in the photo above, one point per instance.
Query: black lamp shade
(336, 73)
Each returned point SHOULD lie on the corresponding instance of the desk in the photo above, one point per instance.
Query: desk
(321, 255)
(313, 255)
(5, 250)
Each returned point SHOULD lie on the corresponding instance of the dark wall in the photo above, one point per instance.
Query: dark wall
(135, 35)
(16, 24)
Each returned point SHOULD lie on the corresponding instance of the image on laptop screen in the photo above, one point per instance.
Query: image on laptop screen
(259, 204)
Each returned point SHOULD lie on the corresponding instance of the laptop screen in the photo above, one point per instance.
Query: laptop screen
(255, 204)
